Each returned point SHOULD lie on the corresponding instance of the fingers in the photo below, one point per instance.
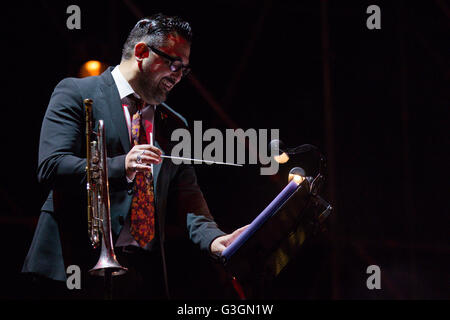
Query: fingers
(236, 234)
(147, 154)
(149, 149)
(240, 230)
(144, 159)
(141, 157)
(221, 243)
(142, 168)
(217, 246)
(143, 162)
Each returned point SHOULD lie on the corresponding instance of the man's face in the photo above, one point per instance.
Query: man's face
(155, 79)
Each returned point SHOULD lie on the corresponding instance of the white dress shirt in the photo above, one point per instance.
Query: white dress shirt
(125, 90)
(125, 238)
(148, 112)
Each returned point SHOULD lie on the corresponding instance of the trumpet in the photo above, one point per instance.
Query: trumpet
(98, 204)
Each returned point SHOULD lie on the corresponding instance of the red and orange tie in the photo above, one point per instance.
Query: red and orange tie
(142, 206)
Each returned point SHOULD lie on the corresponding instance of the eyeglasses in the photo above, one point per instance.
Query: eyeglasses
(175, 62)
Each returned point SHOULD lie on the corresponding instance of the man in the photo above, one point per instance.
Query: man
(130, 99)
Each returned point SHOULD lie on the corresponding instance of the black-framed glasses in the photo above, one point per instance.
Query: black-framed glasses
(175, 62)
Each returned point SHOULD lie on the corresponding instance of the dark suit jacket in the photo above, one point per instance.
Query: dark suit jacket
(61, 235)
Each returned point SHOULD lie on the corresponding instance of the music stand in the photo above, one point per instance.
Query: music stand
(256, 258)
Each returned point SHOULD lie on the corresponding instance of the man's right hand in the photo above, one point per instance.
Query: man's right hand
(140, 158)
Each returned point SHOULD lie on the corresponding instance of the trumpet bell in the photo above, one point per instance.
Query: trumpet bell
(113, 266)
(107, 261)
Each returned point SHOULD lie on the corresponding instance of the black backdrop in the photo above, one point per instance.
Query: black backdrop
(265, 63)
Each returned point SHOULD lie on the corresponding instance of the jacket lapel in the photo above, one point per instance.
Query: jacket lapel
(157, 142)
(115, 109)
(156, 168)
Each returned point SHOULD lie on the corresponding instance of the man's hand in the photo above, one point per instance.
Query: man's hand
(219, 244)
(140, 158)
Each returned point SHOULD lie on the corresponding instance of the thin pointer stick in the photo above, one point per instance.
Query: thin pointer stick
(151, 143)
(181, 158)
(206, 161)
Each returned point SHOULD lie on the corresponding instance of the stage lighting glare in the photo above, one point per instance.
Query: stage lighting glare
(92, 68)
(297, 174)
(298, 179)
(282, 158)
(93, 65)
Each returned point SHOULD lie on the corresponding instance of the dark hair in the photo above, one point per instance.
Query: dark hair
(154, 31)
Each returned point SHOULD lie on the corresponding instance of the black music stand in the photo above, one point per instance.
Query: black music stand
(260, 259)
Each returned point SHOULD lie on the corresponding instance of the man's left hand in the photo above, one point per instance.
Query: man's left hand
(219, 244)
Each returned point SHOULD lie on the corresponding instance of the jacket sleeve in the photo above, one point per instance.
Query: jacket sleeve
(62, 152)
(200, 223)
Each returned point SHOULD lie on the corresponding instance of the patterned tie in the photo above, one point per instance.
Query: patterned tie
(142, 207)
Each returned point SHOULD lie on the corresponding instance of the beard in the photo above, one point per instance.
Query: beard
(152, 89)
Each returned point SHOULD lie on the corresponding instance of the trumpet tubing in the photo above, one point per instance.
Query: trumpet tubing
(98, 205)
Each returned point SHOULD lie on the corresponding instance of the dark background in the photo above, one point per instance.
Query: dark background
(375, 102)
